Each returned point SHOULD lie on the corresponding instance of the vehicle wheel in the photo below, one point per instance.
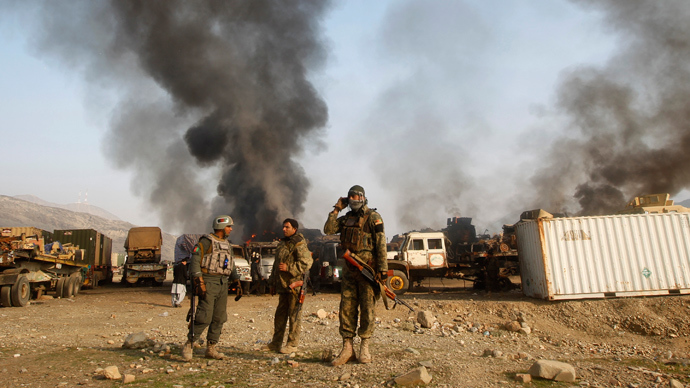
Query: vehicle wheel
(5, 299)
(21, 292)
(60, 287)
(67, 287)
(398, 283)
(73, 284)
(77, 284)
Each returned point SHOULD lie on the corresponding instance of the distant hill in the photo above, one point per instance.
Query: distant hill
(685, 203)
(83, 207)
(18, 212)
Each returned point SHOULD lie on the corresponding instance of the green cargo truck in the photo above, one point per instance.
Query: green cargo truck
(97, 253)
(143, 261)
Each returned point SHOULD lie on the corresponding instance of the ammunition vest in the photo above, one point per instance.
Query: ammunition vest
(356, 234)
(218, 260)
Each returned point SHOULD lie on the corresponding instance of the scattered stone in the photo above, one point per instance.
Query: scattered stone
(344, 376)
(496, 353)
(413, 351)
(137, 341)
(112, 373)
(418, 376)
(553, 370)
(126, 379)
(523, 377)
(321, 314)
(512, 326)
(111, 342)
(428, 364)
(426, 319)
(293, 363)
(673, 383)
(525, 330)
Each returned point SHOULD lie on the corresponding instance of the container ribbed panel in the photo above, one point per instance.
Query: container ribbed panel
(618, 255)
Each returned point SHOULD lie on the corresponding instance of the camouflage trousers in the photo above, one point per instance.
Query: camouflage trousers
(357, 302)
(287, 311)
(211, 312)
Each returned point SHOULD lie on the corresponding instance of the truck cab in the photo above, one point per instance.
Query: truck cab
(421, 254)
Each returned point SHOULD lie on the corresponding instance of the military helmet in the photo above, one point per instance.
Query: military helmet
(221, 222)
(356, 189)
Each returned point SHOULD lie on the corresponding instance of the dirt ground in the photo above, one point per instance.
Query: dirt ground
(634, 342)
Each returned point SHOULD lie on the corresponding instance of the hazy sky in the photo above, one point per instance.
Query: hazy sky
(437, 108)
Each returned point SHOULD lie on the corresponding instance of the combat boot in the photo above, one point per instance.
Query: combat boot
(187, 351)
(211, 352)
(346, 354)
(364, 356)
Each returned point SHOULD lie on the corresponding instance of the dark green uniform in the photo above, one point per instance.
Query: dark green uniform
(292, 251)
(363, 234)
(211, 311)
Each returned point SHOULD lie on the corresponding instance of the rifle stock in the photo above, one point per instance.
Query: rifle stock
(369, 275)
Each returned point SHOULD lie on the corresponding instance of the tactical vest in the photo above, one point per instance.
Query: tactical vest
(356, 234)
(218, 260)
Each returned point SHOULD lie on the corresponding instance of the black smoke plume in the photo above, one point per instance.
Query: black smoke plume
(209, 93)
(629, 131)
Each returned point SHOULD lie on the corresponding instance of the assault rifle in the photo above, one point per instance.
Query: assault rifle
(191, 314)
(302, 291)
(370, 276)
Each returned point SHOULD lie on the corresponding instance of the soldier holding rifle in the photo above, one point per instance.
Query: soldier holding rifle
(361, 232)
(210, 266)
(293, 261)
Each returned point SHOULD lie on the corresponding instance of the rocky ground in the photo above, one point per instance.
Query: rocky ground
(636, 342)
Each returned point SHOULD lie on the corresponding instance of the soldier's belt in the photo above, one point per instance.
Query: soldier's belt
(204, 270)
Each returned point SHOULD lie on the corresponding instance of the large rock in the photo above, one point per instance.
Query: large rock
(512, 326)
(418, 376)
(112, 373)
(426, 318)
(138, 341)
(553, 370)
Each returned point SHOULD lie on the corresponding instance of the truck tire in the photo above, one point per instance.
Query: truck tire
(67, 290)
(79, 284)
(60, 287)
(398, 283)
(21, 292)
(5, 299)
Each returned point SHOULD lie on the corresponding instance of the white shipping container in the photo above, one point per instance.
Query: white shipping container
(605, 256)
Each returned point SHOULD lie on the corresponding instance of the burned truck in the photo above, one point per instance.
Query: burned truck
(456, 252)
(31, 264)
(97, 249)
(143, 260)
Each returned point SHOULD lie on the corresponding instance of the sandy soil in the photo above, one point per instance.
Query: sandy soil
(635, 342)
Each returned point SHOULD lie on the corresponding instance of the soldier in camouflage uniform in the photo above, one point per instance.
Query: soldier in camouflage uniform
(293, 259)
(210, 266)
(361, 231)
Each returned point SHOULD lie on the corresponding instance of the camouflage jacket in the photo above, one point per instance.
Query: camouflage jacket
(292, 251)
(373, 229)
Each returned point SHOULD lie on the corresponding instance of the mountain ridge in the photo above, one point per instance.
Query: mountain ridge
(16, 212)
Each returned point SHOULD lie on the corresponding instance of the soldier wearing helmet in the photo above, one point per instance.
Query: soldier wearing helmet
(210, 266)
(361, 231)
